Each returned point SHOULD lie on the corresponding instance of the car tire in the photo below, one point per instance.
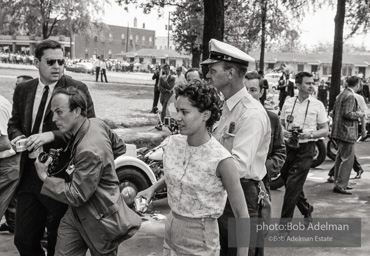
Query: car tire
(320, 153)
(131, 181)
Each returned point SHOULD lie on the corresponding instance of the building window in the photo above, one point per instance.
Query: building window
(300, 67)
(349, 72)
(95, 38)
(102, 39)
(132, 59)
(131, 39)
(270, 65)
(144, 25)
(123, 36)
(141, 60)
(150, 40)
(110, 54)
(102, 54)
(344, 71)
(110, 37)
(143, 40)
(154, 61)
(95, 52)
(86, 53)
(137, 39)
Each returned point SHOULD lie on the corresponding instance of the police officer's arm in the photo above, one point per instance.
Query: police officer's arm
(249, 132)
(226, 170)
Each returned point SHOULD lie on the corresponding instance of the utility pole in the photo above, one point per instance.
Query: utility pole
(168, 31)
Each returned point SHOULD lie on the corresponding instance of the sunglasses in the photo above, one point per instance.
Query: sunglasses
(51, 62)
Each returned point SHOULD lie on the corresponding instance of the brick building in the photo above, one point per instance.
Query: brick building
(113, 40)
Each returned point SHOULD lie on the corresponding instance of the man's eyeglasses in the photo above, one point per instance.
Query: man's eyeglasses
(51, 62)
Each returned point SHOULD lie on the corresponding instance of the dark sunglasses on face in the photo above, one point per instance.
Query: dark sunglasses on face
(51, 62)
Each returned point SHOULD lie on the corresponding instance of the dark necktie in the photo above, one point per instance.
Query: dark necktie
(40, 112)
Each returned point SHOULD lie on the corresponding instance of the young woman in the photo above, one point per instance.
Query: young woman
(199, 172)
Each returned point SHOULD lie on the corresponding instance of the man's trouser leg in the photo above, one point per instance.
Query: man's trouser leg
(251, 190)
(344, 163)
(294, 173)
(9, 178)
(97, 71)
(356, 165)
(156, 98)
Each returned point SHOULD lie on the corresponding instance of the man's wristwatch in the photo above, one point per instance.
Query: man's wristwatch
(311, 136)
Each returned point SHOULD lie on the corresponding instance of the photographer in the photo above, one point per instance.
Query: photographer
(304, 119)
(92, 190)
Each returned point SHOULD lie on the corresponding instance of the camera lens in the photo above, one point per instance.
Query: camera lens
(43, 157)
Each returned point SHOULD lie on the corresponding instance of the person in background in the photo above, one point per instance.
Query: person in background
(9, 166)
(192, 74)
(286, 88)
(306, 117)
(322, 94)
(180, 78)
(155, 77)
(265, 85)
(277, 152)
(31, 119)
(103, 67)
(165, 86)
(198, 172)
(244, 130)
(346, 114)
(97, 68)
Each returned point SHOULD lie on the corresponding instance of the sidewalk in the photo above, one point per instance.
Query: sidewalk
(113, 77)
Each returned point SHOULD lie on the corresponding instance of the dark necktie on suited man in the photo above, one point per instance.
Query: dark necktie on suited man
(40, 112)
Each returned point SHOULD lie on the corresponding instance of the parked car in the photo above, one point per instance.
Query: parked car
(82, 67)
(273, 79)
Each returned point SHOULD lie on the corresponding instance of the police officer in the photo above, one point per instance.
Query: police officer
(244, 129)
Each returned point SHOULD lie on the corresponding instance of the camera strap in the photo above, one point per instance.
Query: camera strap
(305, 114)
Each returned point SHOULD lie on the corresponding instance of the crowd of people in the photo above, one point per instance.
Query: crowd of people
(218, 167)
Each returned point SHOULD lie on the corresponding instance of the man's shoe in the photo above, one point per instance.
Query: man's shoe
(341, 191)
(308, 216)
(359, 173)
(158, 127)
(331, 179)
(349, 188)
(5, 227)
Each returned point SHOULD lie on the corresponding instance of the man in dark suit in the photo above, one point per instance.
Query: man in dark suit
(277, 152)
(155, 77)
(286, 88)
(32, 119)
(165, 86)
(345, 130)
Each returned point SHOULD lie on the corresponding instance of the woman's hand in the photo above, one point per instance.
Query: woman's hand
(148, 194)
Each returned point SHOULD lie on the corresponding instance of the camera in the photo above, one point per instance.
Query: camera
(54, 154)
(21, 145)
(293, 142)
(171, 123)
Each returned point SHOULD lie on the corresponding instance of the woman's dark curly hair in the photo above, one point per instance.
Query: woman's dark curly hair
(203, 97)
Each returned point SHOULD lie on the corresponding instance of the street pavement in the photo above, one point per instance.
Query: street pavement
(149, 239)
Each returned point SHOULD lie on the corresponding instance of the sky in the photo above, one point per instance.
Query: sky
(315, 27)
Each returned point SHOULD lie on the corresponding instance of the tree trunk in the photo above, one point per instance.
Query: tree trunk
(336, 72)
(263, 36)
(213, 25)
(195, 61)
